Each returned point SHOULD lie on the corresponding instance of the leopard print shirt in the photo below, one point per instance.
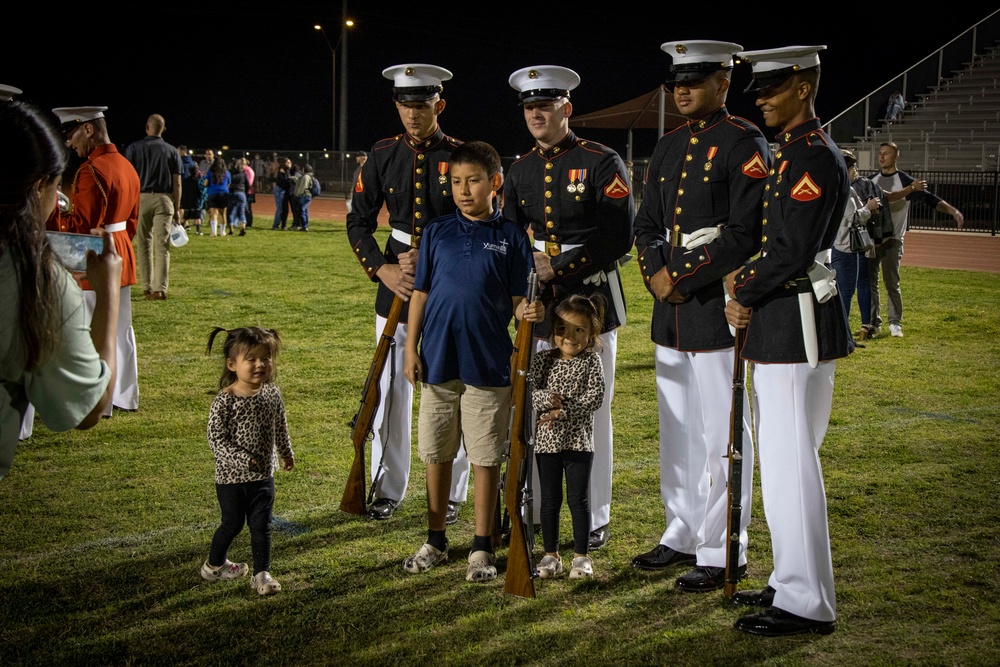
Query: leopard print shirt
(245, 432)
(580, 382)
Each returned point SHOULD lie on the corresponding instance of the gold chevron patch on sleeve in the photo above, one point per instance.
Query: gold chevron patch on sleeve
(755, 167)
(806, 189)
(617, 188)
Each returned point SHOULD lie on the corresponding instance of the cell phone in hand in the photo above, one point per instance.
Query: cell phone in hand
(71, 249)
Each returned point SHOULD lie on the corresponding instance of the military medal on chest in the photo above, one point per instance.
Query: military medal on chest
(443, 172)
(576, 181)
(712, 152)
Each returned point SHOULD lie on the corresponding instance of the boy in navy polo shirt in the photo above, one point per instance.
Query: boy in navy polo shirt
(472, 276)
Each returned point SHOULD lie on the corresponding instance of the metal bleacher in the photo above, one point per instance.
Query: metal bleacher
(956, 125)
(949, 131)
(952, 119)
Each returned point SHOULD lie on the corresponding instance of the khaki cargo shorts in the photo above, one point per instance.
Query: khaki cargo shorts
(453, 412)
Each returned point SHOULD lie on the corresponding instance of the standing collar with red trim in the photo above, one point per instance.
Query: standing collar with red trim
(424, 144)
(568, 142)
(696, 125)
(796, 132)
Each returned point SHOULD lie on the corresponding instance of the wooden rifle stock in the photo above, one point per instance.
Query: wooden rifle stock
(520, 562)
(353, 501)
(735, 487)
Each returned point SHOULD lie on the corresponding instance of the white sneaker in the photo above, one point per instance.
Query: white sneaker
(264, 583)
(583, 568)
(228, 570)
(426, 558)
(482, 567)
(550, 567)
(896, 330)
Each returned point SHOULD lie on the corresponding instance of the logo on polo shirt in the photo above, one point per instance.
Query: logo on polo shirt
(500, 248)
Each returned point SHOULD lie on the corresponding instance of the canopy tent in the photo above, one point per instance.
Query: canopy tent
(654, 109)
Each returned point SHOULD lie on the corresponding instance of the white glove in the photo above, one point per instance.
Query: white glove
(701, 237)
(823, 281)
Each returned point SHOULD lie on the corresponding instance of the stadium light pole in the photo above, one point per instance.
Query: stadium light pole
(345, 23)
(333, 107)
(343, 74)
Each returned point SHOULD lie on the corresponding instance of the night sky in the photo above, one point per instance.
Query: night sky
(257, 76)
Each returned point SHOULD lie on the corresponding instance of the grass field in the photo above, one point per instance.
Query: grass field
(104, 531)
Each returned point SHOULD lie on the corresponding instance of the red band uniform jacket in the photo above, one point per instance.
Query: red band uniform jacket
(709, 172)
(105, 190)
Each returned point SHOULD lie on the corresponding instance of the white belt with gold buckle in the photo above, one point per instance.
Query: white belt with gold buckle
(548, 246)
(696, 238)
(401, 236)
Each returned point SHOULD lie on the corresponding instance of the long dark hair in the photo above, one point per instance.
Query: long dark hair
(240, 340)
(35, 150)
(218, 170)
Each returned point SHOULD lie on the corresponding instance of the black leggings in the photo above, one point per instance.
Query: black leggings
(250, 502)
(577, 467)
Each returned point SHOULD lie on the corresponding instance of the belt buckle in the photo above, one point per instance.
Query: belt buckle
(552, 249)
(675, 238)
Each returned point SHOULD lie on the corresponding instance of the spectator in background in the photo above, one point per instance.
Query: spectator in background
(859, 210)
(53, 354)
(217, 182)
(204, 166)
(900, 188)
(206, 162)
(360, 159)
(237, 212)
(880, 229)
(159, 166)
(251, 191)
(192, 189)
(259, 165)
(294, 174)
(281, 168)
(305, 187)
(895, 108)
(186, 159)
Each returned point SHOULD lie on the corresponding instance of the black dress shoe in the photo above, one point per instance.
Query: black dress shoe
(661, 557)
(451, 516)
(703, 579)
(761, 598)
(776, 622)
(598, 538)
(382, 509)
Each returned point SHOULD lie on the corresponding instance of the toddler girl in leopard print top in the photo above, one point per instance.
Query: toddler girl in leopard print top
(246, 427)
(567, 388)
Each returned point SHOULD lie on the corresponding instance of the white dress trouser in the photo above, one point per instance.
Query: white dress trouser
(126, 395)
(793, 411)
(393, 425)
(600, 473)
(694, 392)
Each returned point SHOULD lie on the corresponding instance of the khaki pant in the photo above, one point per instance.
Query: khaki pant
(152, 241)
